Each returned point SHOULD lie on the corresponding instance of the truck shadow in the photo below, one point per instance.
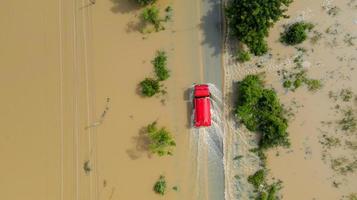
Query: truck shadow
(189, 106)
(211, 26)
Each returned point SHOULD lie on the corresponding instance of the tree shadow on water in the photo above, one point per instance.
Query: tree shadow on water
(135, 26)
(141, 145)
(124, 6)
(211, 26)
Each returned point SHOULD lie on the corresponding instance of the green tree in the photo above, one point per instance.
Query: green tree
(249, 21)
(160, 185)
(296, 33)
(161, 140)
(160, 66)
(257, 179)
(243, 56)
(260, 110)
(150, 87)
(151, 15)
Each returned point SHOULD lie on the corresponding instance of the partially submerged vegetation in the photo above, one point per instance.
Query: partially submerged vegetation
(348, 122)
(151, 17)
(243, 56)
(152, 86)
(86, 167)
(161, 140)
(260, 110)
(343, 138)
(264, 190)
(257, 179)
(332, 66)
(160, 66)
(145, 2)
(296, 33)
(160, 185)
(297, 77)
(249, 21)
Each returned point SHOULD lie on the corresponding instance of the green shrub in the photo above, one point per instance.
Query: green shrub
(272, 192)
(249, 21)
(145, 2)
(296, 33)
(260, 110)
(150, 87)
(160, 185)
(243, 56)
(160, 66)
(151, 15)
(297, 83)
(313, 84)
(287, 84)
(161, 140)
(169, 13)
(257, 179)
(262, 196)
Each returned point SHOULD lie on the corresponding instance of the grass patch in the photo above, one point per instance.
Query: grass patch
(330, 142)
(243, 56)
(348, 122)
(346, 94)
(297, 77)
(316, 37)
(343, 165)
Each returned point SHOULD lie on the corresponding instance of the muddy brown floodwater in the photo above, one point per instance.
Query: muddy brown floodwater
(72, 115)
(305, 172)
(121, 59)
(313, 167)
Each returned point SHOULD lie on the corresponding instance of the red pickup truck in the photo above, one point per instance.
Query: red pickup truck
(202, 106)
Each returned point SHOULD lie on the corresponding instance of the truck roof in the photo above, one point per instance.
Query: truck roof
(202, 111)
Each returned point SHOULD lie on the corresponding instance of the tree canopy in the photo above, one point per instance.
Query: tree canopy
(160, 66)
(296, 33)
(249, 21)
(260, 110)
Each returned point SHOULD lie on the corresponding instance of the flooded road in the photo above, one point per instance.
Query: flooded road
(72, 113)
(212, 41)
(208, 142)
